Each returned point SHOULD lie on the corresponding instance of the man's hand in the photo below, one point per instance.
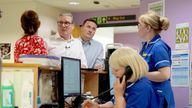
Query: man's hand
(99, 67)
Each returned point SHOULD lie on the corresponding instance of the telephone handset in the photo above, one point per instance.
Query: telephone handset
(128, 73)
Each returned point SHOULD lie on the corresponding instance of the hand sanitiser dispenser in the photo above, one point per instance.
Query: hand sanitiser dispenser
(7, 95)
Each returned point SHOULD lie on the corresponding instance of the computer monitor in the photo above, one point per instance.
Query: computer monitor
(112, 78)
(69, 79)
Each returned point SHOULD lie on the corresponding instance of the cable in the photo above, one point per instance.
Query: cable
(102, 93)
(79, 99)
(76, 103)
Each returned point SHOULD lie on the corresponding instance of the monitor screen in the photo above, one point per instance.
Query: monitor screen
(69, 78)
(112, 78)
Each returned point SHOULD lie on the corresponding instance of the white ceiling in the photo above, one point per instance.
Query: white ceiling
(87, 5)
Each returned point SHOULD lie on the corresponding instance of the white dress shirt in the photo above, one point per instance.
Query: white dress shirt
(72, 48)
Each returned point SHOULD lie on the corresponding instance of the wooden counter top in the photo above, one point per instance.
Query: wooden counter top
(48, 69)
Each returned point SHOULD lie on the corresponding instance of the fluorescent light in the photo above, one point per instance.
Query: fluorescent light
(74, 3)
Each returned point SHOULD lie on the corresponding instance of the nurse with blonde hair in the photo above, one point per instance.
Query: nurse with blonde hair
(135, 90)
(158, 56)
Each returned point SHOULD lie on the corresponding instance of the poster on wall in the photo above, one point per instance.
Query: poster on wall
(180, 68)
(158, 7)
(190, 82)
(182, 36)
(5, 49)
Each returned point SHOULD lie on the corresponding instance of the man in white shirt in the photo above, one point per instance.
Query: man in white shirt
(63, 43)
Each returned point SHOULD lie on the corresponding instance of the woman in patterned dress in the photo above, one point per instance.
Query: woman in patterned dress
(30, 43)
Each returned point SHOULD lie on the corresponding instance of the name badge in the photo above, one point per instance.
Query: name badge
(144, 54)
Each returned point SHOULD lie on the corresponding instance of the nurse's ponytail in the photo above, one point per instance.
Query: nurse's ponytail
(156, 22)
(164, 23)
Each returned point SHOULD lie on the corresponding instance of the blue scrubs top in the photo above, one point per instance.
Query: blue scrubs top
(158, 54)
(140, 95)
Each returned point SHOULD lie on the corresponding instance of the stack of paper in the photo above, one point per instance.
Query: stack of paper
(45, 60)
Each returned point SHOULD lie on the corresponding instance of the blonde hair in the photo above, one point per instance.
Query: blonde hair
(156, 22)
(125, 56)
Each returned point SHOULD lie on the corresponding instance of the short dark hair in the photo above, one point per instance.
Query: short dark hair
(67, 14)
(30, 22)
(91, 20)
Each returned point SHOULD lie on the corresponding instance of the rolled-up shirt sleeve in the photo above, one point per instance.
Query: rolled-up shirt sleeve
(162, 56)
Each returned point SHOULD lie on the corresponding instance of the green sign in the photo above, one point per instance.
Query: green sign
(107, 19)
(101, 20)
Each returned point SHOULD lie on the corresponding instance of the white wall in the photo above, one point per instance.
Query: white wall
(10, 27)
(105, 35)
(48, 16)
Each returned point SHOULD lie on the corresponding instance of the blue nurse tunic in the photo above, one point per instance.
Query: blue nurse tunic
(140, 95)
(158, 54)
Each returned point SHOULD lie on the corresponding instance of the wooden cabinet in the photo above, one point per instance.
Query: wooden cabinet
(18, 75)
(90, 79)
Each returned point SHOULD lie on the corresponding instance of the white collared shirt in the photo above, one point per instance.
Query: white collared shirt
(72, 48)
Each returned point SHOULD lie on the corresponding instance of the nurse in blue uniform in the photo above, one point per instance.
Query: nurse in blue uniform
(136, 91)
(158, 56)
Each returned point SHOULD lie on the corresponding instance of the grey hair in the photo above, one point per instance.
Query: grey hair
(66, 14)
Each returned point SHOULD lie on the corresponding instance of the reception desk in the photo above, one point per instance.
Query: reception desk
(91, 78)
(20, 73)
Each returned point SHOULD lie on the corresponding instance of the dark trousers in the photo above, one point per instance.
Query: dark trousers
(165, 103)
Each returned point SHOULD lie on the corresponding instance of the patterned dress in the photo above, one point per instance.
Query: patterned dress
(29, 45)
